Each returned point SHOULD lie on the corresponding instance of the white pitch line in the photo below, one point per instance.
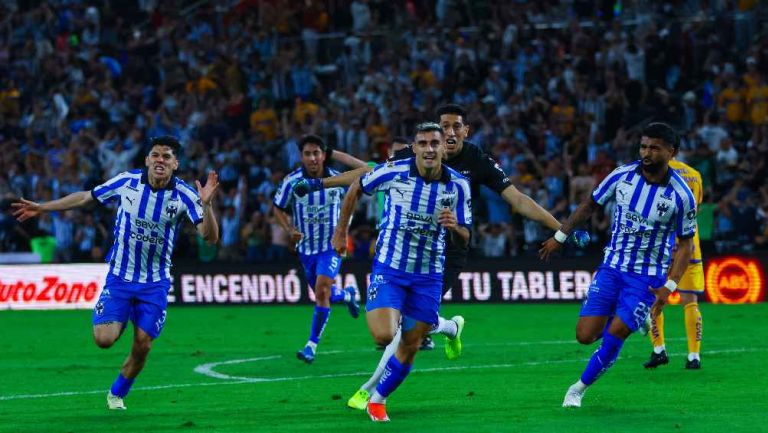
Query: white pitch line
(331, 376)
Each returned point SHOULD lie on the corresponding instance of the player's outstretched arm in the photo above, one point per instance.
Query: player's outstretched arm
(339, 241)
(26, 209)
(305, 186)
(347, 178)
(209, 228)
(680, 261)
(528, 208)
(579, 216)
(347, 159)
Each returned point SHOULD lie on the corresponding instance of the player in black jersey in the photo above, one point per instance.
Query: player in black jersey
(473, 163)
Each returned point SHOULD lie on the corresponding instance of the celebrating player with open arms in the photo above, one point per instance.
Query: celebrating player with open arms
(151, 203)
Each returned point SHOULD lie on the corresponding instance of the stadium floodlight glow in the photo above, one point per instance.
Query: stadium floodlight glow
(735, 280)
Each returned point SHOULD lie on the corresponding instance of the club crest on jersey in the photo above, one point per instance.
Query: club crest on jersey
(662, 208)
(447, 200)
(333, 194)
(171, 210)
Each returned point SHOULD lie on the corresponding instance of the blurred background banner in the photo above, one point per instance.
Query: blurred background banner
(729, 280)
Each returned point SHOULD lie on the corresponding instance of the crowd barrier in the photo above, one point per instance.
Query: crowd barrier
(729, 280)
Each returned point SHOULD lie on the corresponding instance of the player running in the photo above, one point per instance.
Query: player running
(151, 205)
(315, 217)
(653, 205)
(426, 202)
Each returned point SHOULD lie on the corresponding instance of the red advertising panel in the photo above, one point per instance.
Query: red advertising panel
(50, 286)
(735, 280)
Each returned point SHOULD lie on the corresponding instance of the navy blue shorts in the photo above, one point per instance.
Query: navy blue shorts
(144, 304)
(623, 294)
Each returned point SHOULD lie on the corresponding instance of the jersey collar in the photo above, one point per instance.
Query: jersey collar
(145, 179)
(445, 177)
(664, 181)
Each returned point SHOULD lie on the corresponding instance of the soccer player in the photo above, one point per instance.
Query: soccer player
(151, 205)
(315, 216)
(690, 288)
(480, 169)
(426, 202)
(653, 205)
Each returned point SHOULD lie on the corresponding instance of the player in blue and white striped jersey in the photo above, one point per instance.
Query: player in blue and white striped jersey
(653, 206)
(315, 217)
(425, 202)
(152, 205)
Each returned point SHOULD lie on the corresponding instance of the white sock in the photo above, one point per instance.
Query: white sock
(377, 398)
(580, 386)
(658, 349)
(449, 328)
(693, 355)
(370, 386)
(312, 345)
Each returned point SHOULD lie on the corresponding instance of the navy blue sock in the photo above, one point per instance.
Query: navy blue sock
(394, 374)
(337, 294)
(602, 359)
(121, 386)
(319, 320)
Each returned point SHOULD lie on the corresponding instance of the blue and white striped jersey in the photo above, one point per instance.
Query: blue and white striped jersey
(146, 224)
(410, 238)
(647, 218)
(315, 215)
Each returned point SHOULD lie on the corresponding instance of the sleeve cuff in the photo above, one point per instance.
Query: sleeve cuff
(362, 188)
(688, 236)
(93, 194)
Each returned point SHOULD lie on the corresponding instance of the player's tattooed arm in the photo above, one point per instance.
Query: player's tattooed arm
(680, 261)
(579, 216)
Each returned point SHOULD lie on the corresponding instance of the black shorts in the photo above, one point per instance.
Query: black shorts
(454, 264)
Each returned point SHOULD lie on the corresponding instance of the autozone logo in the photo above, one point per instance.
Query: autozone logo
(52, 289)
(51, 286)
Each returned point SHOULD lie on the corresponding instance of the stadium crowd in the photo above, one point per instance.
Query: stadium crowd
(557, 90)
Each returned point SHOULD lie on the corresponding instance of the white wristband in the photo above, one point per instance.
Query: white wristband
(671, 285)
(560, 236)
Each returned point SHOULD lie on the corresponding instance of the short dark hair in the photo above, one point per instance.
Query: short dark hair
(401, 139)
(452, 109)
(312, 139)
(664, 132)
(428, 127)
(168, 141)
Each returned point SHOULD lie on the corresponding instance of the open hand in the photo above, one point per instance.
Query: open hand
(549, 247)
(662, 299)
(25, 209)
(207, 192)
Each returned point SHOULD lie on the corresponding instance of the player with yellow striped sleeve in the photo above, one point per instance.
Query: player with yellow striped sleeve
(691, 286)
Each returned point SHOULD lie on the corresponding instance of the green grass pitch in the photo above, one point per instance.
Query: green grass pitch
(518, 361)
